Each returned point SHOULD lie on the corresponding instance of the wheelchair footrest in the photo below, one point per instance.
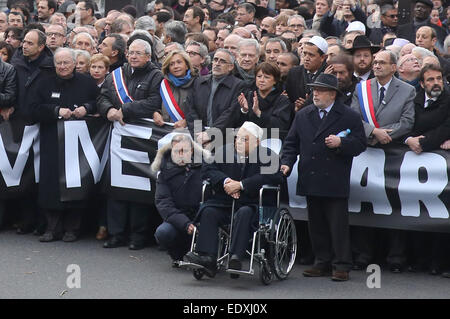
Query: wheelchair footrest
(240, 272)
(185, 264)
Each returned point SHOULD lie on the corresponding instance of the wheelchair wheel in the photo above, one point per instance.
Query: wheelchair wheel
(265, 273)
(198, 273)
(283, 247)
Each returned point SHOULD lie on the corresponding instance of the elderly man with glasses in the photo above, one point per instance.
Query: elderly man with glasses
(215, 99)
(141, 100)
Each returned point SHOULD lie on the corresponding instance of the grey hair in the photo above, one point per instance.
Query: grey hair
(83, 53)
(141, 32)
(71, 51)
(249, 42)
(203, 50)
(178, 45)
(297, 16)
(74, 41)
(422, 51)
(229, 54)
(277, 40)
(147, 47)
(145, 23)
(446, 44)
(176, 30)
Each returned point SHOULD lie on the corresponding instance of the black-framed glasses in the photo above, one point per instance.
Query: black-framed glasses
(220, 61)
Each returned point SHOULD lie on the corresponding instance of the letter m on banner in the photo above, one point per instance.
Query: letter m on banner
(79, 174)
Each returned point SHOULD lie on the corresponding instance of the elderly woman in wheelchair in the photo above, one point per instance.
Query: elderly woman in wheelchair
(235, 188)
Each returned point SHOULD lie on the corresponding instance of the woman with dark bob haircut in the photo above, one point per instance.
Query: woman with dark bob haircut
(6, 51)
(266, 106)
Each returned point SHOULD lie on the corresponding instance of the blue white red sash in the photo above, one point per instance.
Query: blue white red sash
(171, 105)
(121, 89)
(366, 103)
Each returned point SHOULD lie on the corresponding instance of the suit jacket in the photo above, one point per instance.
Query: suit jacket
(296, 81)
(432, 122)
(323, 171)
(396, 112)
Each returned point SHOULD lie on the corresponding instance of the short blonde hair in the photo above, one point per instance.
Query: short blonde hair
(166, 63)
(100, 57)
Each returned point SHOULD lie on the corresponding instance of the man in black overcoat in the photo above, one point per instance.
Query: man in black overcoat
(324, 173)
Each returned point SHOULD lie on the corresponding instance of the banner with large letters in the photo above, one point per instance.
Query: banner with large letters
(391, 187)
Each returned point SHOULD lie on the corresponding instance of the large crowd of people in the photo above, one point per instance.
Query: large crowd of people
(232, 64)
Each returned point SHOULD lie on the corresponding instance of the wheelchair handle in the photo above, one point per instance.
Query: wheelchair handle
(266, 188)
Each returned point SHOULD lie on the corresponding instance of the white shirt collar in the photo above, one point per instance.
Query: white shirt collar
(386, 86)
(426, 104)
(364, 77)
(328, 109)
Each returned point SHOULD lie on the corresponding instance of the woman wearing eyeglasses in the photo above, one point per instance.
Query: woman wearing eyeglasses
(175, 88)
(266, 106)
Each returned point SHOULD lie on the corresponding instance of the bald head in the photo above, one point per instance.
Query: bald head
(231, 43)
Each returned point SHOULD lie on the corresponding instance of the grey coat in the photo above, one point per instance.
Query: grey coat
(396, 112)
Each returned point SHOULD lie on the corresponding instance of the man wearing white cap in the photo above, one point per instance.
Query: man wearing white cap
(239, 180)
(314, 59)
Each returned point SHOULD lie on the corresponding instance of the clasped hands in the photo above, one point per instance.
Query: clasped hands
(232, 188)
(115, 115)
(78, 113)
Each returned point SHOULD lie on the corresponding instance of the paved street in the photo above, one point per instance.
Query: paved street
(30, 269)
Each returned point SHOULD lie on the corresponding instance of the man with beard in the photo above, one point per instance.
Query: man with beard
(342, 67)
(431, 132)
(363, 51)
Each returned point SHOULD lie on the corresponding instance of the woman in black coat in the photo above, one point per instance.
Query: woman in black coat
(62, 95)
(266, 106)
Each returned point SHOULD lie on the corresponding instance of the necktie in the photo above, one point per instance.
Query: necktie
(382, 94)
(323, 114)
(429, 101)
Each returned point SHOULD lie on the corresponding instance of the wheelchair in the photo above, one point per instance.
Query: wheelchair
(273, 245)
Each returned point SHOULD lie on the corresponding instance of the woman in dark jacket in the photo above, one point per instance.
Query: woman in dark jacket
(175, 88)
(178, 194)
(266, 106)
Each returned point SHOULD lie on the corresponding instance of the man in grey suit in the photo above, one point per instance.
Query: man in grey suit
(393, 105)
(393, 102)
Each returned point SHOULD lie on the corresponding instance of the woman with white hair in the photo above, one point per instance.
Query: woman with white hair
(83, 61)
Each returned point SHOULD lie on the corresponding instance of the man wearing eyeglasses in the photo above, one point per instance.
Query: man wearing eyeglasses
(86, 10)
(297, 25)
(142, 80)
(389, 22)
(215, 98)
(55, 36)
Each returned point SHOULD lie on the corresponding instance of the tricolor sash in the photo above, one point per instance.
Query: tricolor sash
(171, 105)
(366, 103)
(121, 89)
